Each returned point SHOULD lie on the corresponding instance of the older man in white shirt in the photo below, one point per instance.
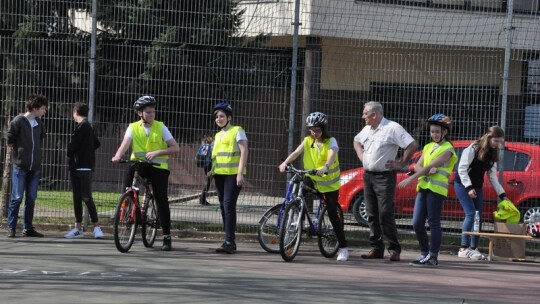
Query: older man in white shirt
(377, 146)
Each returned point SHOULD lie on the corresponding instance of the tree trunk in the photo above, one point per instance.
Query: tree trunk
(6, 183)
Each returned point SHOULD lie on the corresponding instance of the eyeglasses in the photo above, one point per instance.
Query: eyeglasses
(315, 130)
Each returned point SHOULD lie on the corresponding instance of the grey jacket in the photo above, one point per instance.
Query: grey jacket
(27, 142)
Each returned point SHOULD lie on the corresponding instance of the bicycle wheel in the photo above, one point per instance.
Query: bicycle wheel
(125, 222)
(290, 231)
(269, 229)
(326, 236)
(150, 221)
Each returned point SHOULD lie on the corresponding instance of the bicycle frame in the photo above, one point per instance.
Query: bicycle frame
(134, 189)
(295, 190)
(131, 212)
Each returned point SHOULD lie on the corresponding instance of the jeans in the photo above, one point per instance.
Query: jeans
(24, 183)
(470, 205)
(379, 193)
(428, 205)
(228, 192)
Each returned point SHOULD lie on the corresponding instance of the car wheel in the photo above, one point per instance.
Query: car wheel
(531, 214)
(359, 210)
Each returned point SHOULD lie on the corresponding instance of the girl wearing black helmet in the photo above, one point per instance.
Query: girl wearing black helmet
(229, 159)
(151, 140)
(320, 152)
(432, 170)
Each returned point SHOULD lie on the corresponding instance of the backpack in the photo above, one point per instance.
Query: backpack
(204, 156)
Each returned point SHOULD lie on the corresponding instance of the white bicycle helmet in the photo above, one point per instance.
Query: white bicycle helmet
(316, 119)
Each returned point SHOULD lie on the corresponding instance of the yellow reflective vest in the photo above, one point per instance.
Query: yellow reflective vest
(316, 159)
(437, 182)
(225, 152)
(153, 142)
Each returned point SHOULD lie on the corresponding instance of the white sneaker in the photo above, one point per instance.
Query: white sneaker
(74, 234)
(98, 234)
(464, 253)
(343, 255)
(476, 255)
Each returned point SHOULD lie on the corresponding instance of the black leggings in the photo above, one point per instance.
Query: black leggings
(332, 207)
(81, 181)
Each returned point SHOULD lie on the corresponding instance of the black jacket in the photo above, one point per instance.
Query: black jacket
(82, 148)
(26, 141)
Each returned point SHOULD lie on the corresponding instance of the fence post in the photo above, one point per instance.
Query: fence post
(294, 70)
(506, 72)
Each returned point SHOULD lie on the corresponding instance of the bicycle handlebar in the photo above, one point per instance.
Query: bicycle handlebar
(302, 173)
(126, 161)
(291, 168)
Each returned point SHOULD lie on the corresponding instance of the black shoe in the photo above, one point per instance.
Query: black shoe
(228, 248)
(428, 261)
(11, 232)
(166, 244)
(31, 233)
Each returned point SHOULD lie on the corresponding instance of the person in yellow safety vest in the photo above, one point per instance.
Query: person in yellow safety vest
(151, 141)
(432, 170)
(320, 152)
(229, 159)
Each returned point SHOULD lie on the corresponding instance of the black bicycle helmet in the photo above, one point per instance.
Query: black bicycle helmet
(316, 119)
(224, 106)
(440, 120)
(143, 102)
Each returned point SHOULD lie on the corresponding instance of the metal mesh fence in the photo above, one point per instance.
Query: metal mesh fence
(476, 61)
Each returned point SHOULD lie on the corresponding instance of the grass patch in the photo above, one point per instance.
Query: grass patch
(63, 200)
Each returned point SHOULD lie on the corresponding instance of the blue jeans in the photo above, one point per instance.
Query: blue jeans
(470, 205)
(428, 205)
(24, 183)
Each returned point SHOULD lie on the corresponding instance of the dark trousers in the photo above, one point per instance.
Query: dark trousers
(228, 192)
(379, 194)
(81, 181)
(332, 207)
(159, 179)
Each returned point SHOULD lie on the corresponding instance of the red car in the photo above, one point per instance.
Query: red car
(521, 178)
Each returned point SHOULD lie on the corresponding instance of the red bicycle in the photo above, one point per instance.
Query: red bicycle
(130, 213)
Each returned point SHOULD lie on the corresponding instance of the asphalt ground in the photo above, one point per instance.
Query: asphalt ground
(57, 270)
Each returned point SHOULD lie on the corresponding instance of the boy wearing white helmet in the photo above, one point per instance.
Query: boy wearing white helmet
(151, 140)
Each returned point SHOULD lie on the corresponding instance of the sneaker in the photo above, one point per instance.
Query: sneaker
(464, 253)
(472, 254)
(343, 254)
(476, 255)
(11, 232)
(166, 244)
(426, 261)
(98, 234)
(74, 234)
(227, 247)
(420, 257)
(31, 233)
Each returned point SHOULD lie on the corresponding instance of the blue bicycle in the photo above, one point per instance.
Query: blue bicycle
(281, 226)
